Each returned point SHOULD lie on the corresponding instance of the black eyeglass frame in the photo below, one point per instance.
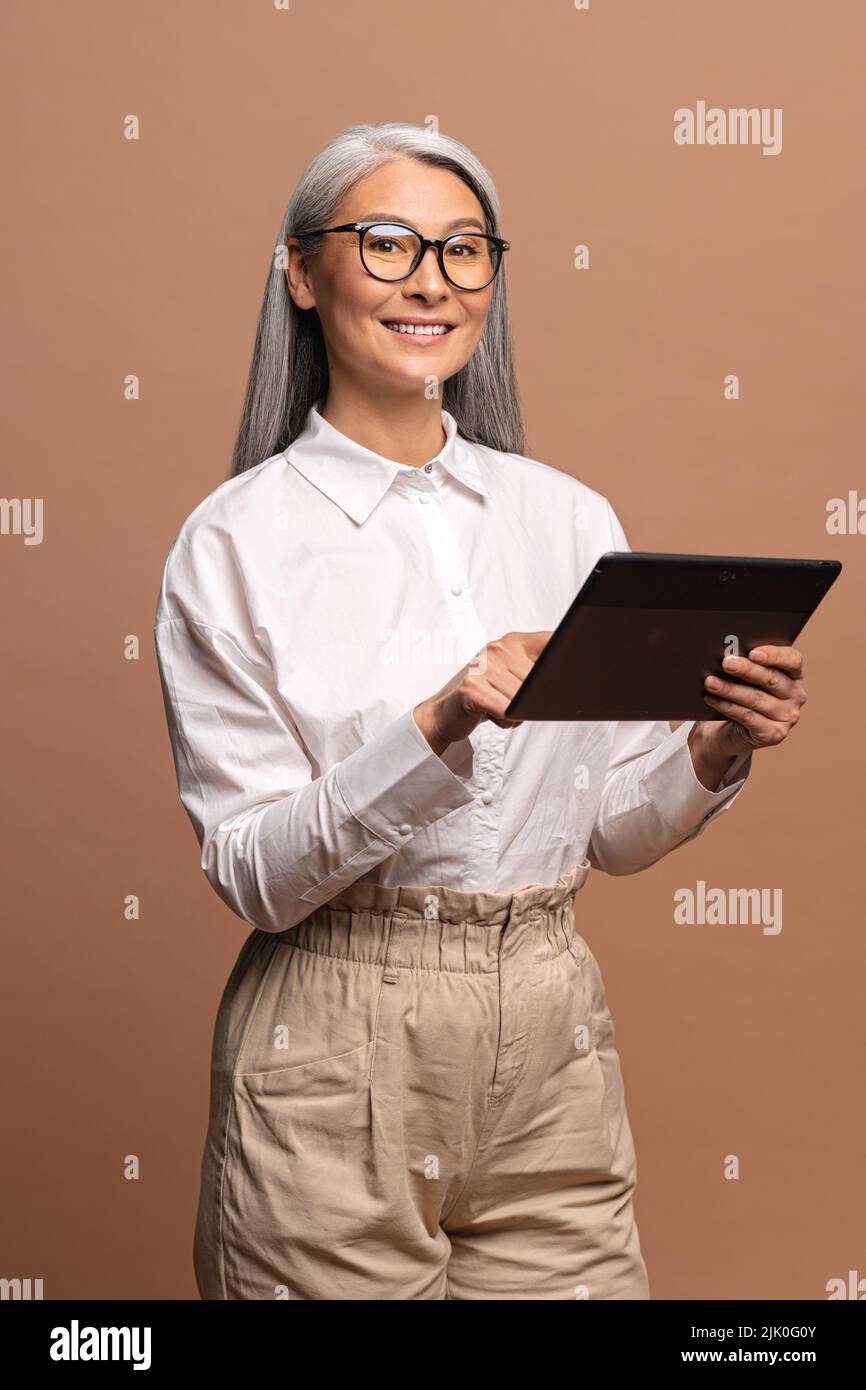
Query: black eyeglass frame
(363, 227)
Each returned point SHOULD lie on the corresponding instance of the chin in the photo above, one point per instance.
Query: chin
(417, 374)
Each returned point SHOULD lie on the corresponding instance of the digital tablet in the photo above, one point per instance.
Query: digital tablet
(645, 630)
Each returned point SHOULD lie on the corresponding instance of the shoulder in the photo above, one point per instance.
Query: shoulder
(531, 483)
(202, 567)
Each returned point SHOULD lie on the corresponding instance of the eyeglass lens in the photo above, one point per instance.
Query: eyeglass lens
(390, 251)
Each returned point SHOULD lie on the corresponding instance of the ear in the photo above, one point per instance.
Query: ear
(297, 276)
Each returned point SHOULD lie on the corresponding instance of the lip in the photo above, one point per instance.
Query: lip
(420, 339)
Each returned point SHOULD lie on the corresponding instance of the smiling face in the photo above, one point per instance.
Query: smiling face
(355, 308)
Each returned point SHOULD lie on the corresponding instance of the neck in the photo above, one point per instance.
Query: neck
(407, 429)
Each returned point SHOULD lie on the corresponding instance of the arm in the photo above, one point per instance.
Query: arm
(275, 841)
(653, 800)
(661, 789)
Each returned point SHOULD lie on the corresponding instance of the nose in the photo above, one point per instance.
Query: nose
(427, 278)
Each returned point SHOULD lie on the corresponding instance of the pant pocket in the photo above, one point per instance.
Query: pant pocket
(600, 1082)
(313, 1010)
(602, 1024)
(290, 1115)
(298, 1162)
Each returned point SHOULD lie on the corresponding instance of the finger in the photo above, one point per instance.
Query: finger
(535, 642)
(747, 697)
(518, 660)
(504, 685)
(789, 658)
(760, 729)
(517, 666)
(746, 674)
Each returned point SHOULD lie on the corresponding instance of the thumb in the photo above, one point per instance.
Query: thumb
(535, 642)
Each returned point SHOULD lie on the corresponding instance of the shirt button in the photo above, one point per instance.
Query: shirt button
(457, 588)
(487, 797)
(405, 830)
(423, 497)
(428, 468)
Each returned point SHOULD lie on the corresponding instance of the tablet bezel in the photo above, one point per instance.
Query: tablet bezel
(804, 584)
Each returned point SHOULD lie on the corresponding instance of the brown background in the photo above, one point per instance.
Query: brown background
(150, 257)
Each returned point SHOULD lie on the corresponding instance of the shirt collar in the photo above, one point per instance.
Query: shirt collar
(357, 478)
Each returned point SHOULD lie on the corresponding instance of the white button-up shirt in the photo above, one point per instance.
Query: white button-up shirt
(308, 604)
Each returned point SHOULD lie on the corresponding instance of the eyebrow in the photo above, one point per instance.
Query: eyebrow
(396, 217)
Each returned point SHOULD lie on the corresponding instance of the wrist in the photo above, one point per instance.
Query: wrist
(425, 719)
(709, 763)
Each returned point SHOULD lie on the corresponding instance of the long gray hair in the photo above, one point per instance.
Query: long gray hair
(289, 370)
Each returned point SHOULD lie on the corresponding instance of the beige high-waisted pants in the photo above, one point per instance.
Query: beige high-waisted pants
(415, 1094)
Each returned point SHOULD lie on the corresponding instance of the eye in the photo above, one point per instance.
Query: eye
(390, 239)
(466, 249)
(384, 245)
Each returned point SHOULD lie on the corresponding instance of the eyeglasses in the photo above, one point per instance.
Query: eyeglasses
(393, 251)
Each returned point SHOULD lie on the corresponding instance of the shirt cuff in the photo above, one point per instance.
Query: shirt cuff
(675, 789)
(396, 784)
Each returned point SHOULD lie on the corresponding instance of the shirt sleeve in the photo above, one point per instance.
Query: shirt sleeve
(275, 841)
(653, 800)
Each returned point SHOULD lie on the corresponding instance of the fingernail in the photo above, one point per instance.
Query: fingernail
(713, 682)
(732, 663)
(758, 654)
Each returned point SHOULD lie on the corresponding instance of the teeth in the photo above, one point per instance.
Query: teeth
(426, 330)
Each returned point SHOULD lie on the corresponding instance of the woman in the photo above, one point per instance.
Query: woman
(415, 1089)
